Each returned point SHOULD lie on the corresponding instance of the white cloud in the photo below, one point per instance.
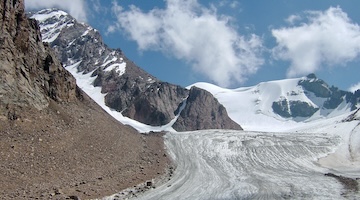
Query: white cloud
(110, 29)
(189, 31)
(231, 4)
(327, 38)
(76, 8)
(354, 87)
(292, 19)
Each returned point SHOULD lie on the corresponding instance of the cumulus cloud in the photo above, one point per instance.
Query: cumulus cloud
(354, 87)
(76, 8)
(326, 38)
(189, 31)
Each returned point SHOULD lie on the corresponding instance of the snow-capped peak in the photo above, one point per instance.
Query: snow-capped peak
(52, 22)
(278, 104)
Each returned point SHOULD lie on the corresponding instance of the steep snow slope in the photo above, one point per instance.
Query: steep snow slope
(253, 107)
(52, 31)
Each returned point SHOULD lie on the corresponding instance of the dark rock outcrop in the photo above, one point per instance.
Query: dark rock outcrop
(328, 98)
(132, 91)
(287, 108)
(30, 74)
(316, 86)
(157, 104)
(203, 111)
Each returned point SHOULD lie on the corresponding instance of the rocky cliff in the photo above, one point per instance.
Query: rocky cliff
(129, 89)
(30, 74)
(203, 111)
(55, 142)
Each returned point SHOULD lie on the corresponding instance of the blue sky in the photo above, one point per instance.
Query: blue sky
(226, 42)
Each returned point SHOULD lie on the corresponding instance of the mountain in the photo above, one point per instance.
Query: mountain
(203, 107)
(125, 87)
(56, 142)
(278, 104)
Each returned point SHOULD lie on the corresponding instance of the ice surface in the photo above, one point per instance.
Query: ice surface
(220, 164)
(346, 159)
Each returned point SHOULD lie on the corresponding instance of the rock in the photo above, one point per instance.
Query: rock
(73, 197)
(157, 105)
(348, 183)
(134, 92)
(29, 73)
(203, 111)
(288, 109)
(149, 183)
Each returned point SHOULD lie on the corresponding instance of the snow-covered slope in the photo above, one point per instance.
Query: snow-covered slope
(85, 82)
(346, 158)
(60, 21)
(119, 85)
(278, 105)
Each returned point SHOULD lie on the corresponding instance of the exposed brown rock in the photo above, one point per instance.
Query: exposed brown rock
(157, 105)
(55, 142)
(29, 72)
(203, 111)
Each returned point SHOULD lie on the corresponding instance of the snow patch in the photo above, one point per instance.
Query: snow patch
(119, 68)
(49, 14)
(85, 82)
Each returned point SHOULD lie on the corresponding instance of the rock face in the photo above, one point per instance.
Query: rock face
(30, 74)
(128, 88)
(55, 142)
(203, 111)
(327, 98)
(157, 104)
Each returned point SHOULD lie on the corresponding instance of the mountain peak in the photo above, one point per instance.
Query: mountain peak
(275, 103)
(52, 22)
(311, 76)
(125, 88)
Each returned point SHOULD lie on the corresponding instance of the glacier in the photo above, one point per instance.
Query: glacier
(227, 164)
(275, 158)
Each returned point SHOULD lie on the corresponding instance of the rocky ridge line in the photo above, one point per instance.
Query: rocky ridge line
(128, 88)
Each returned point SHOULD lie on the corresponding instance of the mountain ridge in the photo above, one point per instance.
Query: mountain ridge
(284, 102)
(127, 88)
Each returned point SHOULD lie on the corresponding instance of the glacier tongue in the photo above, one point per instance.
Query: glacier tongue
(219, 164)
